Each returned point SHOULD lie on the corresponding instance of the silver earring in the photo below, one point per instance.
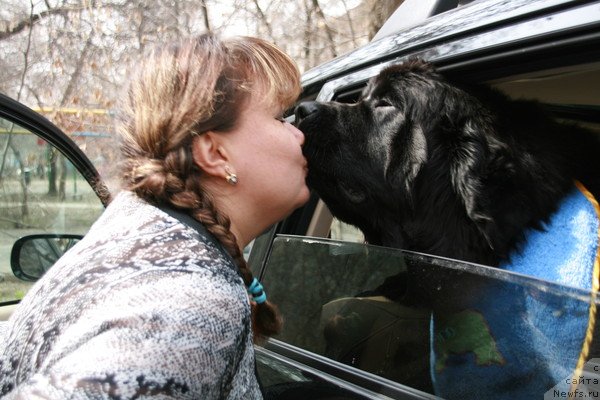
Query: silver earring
(231, 178)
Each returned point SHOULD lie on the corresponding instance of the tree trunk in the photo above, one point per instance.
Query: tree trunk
(380, 12)
(328, 30)
(205, 15)
(264, 20)
(62, 182)
(52, 155)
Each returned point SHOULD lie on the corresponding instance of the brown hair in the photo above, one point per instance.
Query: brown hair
(183, 90)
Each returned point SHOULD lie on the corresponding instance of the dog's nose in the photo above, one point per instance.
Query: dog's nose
(305, 109)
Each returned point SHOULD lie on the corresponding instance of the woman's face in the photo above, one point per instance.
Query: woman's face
(267, 158)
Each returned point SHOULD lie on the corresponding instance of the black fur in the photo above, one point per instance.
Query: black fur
(422, 164)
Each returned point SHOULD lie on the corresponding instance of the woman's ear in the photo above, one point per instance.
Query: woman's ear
(209, 154)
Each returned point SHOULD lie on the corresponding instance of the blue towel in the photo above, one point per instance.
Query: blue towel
(568, 245)
(517, 341)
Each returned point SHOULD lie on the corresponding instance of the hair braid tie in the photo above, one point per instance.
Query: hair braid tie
(257, 292)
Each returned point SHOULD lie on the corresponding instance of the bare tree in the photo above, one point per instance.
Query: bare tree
(9, 140)
(81, 48)
(380, 12)
(15, 27)
(350, 24)
(204, 9)
(307, 34)
(328, 30)
(265, 21)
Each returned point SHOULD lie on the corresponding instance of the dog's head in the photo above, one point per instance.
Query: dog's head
(412, 144)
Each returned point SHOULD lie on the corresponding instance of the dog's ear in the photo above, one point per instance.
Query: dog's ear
(412, 66)
(409, 156)
(470, 160)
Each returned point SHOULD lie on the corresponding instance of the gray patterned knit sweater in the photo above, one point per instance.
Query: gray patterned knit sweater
(145, 306)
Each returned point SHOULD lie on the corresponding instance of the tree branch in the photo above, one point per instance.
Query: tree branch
(204, 9)
(350, 23)
(28, 22)
(328, 29)
(264, 20)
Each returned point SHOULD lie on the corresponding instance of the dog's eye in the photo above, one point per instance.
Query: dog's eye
(383, 103)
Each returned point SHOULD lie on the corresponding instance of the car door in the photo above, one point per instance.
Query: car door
(48, 188)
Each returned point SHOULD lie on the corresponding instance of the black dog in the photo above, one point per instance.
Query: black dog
(422, 164)
(464, 172)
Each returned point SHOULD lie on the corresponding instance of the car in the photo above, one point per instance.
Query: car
(335, 293)
(358, 320)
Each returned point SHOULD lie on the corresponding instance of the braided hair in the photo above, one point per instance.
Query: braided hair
(190, 87)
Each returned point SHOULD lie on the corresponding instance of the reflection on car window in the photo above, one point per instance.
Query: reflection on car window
(344, 300)
(40, 192)
(453, 329)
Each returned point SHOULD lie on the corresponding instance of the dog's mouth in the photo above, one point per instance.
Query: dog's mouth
(317, 151)
(319, 165)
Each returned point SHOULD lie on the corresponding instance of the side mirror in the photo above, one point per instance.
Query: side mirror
(33, 255)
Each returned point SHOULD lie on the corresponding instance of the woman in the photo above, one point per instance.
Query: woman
(153, 301)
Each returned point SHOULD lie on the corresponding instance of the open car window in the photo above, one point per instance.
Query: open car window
(569, 93)
(450, 328)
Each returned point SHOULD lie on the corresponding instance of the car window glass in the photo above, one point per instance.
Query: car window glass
(433, 324)
(92, 129)
(40, 192)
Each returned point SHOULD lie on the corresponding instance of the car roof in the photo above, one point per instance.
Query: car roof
(465, 20)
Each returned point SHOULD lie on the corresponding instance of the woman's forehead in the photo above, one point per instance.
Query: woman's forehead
(261, 97)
